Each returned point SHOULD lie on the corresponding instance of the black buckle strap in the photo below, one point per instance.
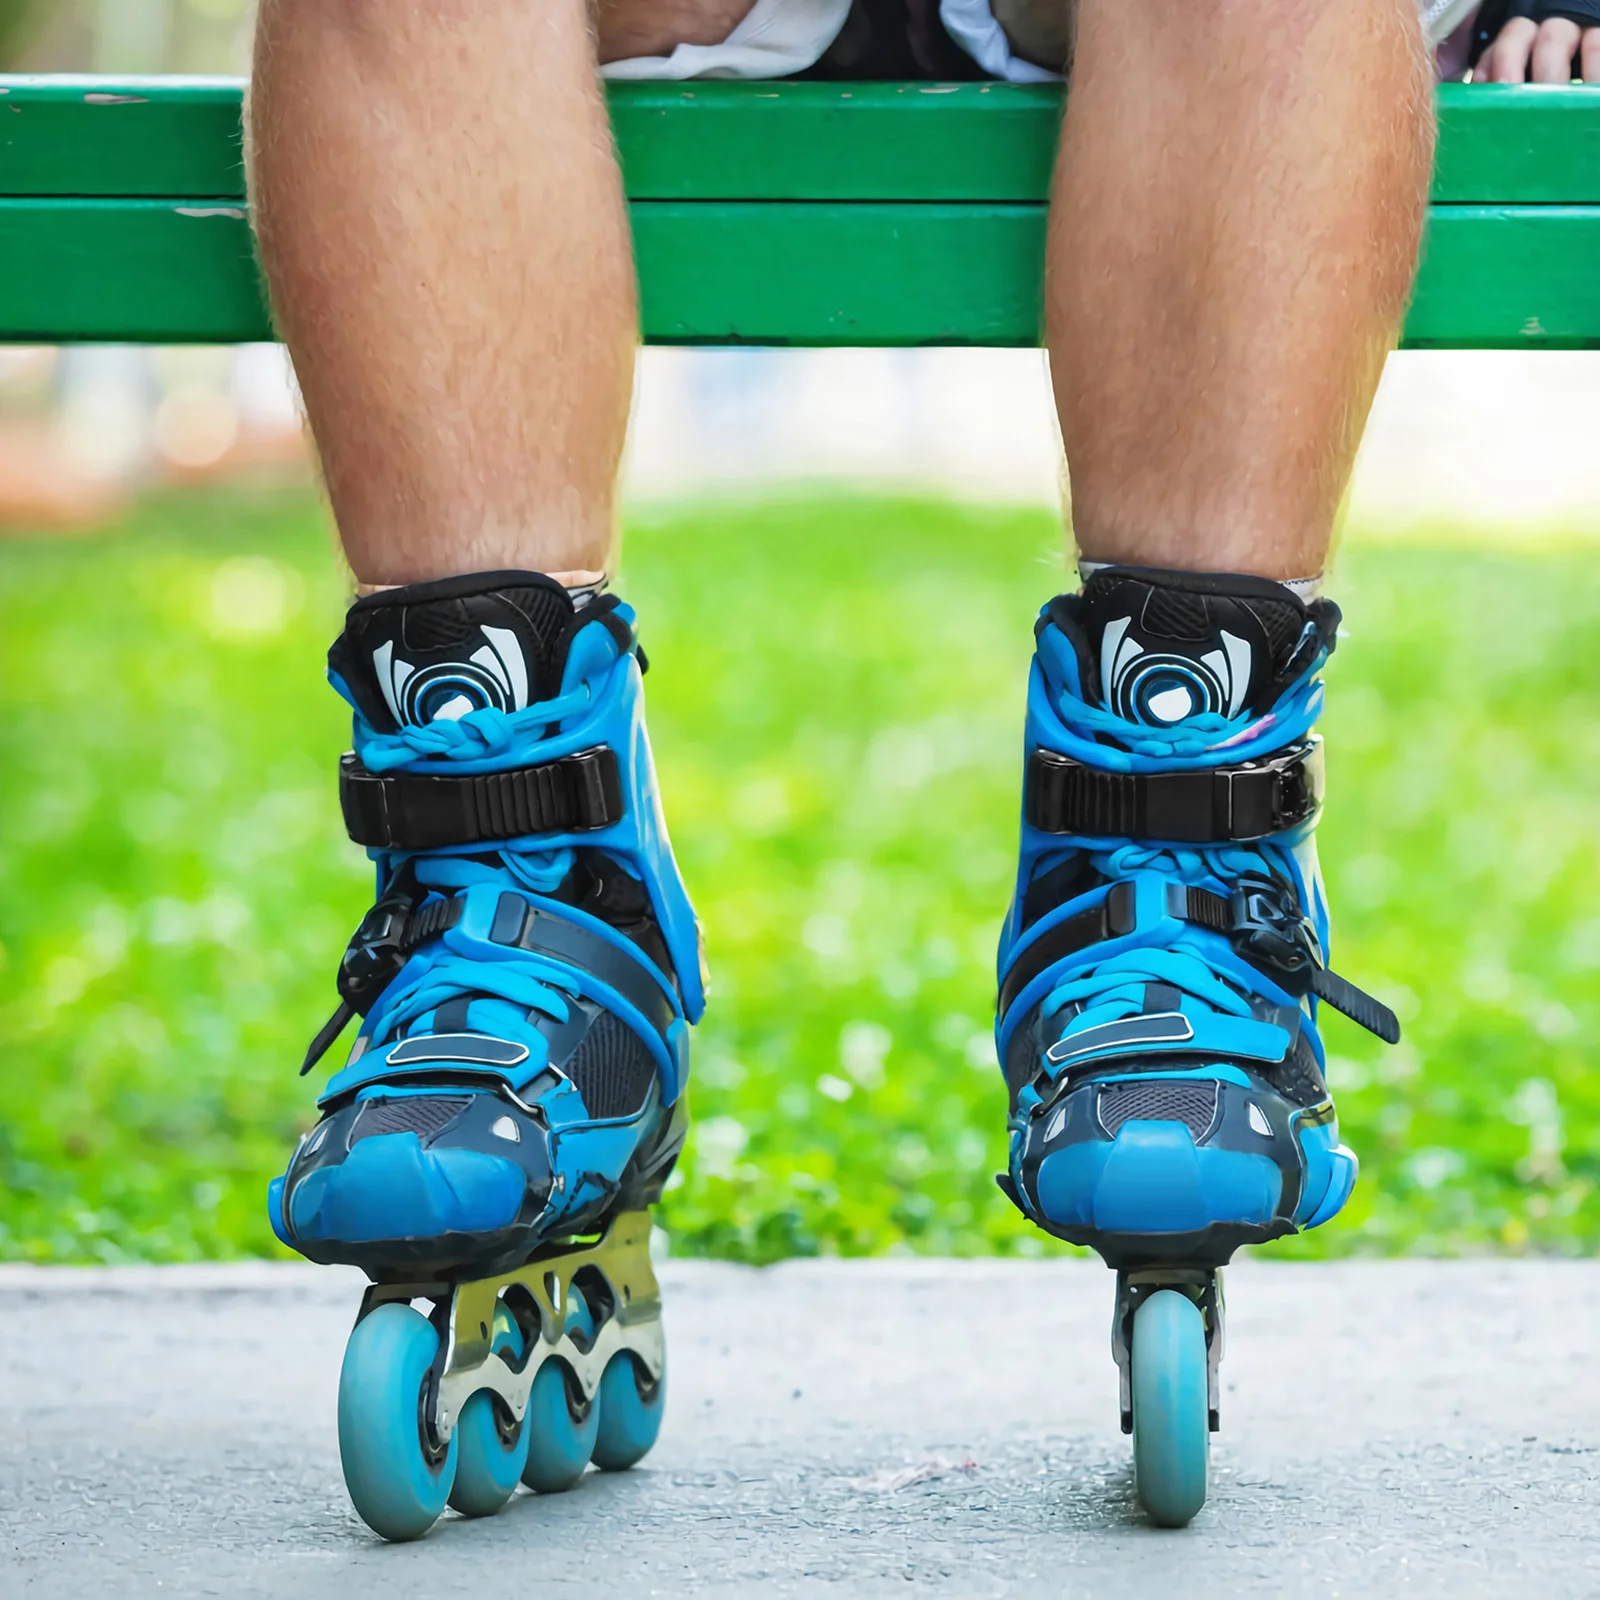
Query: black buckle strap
(1267, 928)
(426, 811)
(1110, 919)
(1217, 805)
(525, 926)
(378, 949)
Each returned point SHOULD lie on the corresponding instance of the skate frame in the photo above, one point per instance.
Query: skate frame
(464, 1313)
(1135, 1285)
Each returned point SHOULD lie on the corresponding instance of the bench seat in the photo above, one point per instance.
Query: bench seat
(764, 213)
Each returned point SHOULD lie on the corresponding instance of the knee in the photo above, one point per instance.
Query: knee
(627, 28)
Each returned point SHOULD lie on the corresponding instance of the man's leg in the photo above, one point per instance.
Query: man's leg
(1233, 237)
(443, 229)
(442, 226)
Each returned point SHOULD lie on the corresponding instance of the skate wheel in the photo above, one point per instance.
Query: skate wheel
(493, 1450)
(559, 1443)
(1171, 1420)
(630, 1419)
(398, 1486)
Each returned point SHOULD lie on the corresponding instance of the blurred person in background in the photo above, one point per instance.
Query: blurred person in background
(1516, 41)
(1234, 231)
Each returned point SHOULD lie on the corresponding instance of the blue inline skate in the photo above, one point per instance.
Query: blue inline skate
(513, 1103)
(1161, 966)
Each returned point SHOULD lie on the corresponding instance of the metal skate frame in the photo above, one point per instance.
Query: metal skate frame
(1135, 1285)
(464, 1314)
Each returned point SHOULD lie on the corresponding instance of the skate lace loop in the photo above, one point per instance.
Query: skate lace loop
(486, 733)
(449, 977)
(522, 981)
(474, 737)
(1114, 988)
(1199, 735)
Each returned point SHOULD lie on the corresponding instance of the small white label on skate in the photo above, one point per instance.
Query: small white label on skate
(1258, 1121)
(505, 1128)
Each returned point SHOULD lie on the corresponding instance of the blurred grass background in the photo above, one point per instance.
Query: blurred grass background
(836, 702)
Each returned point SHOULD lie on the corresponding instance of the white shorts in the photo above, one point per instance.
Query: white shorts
(781, 37)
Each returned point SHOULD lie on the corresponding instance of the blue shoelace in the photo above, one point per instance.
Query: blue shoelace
(1112, 989)
(502, 992)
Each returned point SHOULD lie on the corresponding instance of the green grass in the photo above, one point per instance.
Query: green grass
(836, 703)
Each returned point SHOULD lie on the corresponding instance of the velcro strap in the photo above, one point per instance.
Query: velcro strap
(1113, 917)
(1215, 805)
(426, 811)
(524, 926)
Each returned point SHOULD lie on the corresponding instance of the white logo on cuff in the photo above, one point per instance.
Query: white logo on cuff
(495, 675)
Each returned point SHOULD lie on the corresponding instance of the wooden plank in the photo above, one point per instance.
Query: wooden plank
(1508, 278)
(1522, 144)
(143, 271)
(745, 272)
(981, 142)
(113, 137)
(991, 142)
(740, 272)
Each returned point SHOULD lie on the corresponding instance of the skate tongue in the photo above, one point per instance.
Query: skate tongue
(438, 651)
(1158, 648)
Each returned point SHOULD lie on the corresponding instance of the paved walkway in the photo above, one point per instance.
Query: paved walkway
(841, 1429)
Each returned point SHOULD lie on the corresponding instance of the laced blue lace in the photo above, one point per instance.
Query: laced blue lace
(525, 982)
(1113, 989)
(478, 736)
(1204, 734)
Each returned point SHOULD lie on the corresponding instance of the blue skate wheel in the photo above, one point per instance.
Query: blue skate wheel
(399, 1487)
(559, 1442)
(630, 1418)
(493, 1451)
(1171, 1417)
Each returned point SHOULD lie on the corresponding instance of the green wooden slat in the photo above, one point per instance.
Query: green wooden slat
(727, 272)
(776, 141)
(121, 137)
(754, 273)
(1529, 144)
(145, 271)
(823, 141)
(1508, 278)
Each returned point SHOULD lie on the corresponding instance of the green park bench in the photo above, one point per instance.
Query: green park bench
(764, 213)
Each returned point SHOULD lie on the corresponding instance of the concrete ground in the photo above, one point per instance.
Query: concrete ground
(863, 1428)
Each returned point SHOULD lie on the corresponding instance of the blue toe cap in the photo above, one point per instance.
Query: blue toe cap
(389, 1187)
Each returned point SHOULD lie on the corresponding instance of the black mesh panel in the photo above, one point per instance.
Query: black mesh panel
(423, 1115)
(611, 1069)
(1283, 624)
(1192, 1104)
(1175, 615)
(440, 625)
(1298, 1078)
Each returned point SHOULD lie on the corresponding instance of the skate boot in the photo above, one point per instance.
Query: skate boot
(513, 1102)
(1161, 967)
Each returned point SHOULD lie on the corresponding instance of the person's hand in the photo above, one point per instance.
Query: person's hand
(1552, 51)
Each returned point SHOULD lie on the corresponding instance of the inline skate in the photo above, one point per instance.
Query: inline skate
(514, 1099)
(1161, 967)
